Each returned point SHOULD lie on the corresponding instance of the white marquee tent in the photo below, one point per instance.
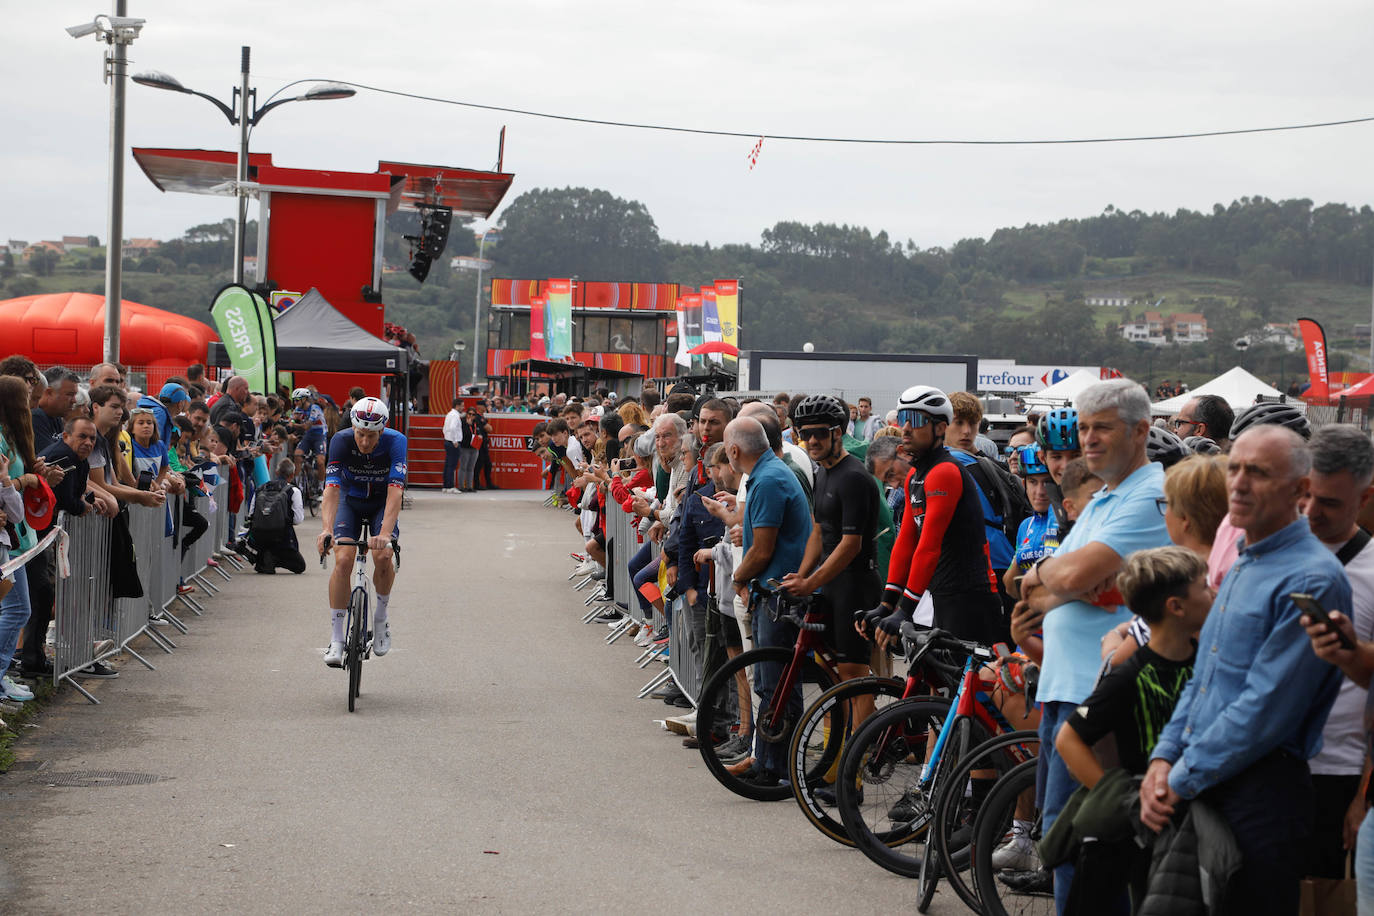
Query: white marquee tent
(1062, 393)
(1238, 387)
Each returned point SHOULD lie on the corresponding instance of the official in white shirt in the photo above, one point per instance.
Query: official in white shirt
(453, 439)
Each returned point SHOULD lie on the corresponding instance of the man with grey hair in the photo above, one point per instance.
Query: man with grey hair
(1342, 470)
(777, 525)
(1252, 714)
(1074, 590)
(53, 406)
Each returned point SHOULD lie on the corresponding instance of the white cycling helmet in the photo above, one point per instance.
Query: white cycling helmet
(300, 393)
(928, 400)
(369, 413)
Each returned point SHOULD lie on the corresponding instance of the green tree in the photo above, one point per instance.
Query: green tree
(578, 232)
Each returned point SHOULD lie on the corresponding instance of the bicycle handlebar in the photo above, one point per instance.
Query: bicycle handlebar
(924, 638)
(330, 540)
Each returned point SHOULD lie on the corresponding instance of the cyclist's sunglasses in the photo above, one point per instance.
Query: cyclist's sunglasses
(913, 418)
(808, 433)
(369, 417)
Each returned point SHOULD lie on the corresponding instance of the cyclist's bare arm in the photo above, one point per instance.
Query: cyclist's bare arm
(329, 507)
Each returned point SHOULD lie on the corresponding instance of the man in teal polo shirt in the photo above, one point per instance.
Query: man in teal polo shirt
(777, 524)
(1075, 589)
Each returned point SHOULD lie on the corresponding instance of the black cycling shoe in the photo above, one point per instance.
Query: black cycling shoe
(764, 779)
(1038, 881)
(905, 810)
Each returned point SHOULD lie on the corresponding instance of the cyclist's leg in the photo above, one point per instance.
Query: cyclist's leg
(346, 525)
(383, 576)
(844, 596)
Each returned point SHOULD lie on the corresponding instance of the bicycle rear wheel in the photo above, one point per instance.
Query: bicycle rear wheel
(959, 801)
(884, 803)
(357, 637)
(818, 741)
(729, 706)
(995, 897)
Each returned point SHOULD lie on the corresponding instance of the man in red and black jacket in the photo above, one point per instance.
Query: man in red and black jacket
(942, 547)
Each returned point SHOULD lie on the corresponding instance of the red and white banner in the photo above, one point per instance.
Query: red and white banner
(538, 339)
(1314, 341)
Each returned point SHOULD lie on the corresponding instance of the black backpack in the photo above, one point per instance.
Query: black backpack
(1004, 493)
(272, 507)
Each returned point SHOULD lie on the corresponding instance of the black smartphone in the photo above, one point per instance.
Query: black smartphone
(1309, 606)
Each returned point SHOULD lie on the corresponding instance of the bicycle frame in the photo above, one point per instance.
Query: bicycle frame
(970, 701)
(810, 640)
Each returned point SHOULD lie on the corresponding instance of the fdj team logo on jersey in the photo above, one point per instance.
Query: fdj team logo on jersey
(400, 467)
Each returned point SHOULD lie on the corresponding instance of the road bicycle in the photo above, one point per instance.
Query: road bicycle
(894, 765)
(309, 484)
(357, 636)
(733, 716)
(998, 893)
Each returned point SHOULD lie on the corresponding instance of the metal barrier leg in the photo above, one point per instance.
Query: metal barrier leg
(223, 575)
(191, 605)
(79, 689)
(173, 620)
(147, 664)
(210, 587)
(162, 642)
(620, 630)
(659, 680)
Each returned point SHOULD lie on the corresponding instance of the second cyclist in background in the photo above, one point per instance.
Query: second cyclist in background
(308, 419)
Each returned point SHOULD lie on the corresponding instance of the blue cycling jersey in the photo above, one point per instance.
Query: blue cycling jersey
(312, 418)
(1037, 538)
(366, 476)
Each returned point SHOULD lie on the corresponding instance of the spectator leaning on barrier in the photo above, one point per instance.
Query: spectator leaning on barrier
(777, 526)
(1252, 715)
(1342, 470)
(1073, 590)
(235, 396)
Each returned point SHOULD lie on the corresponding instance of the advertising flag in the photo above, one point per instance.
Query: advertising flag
(1314, 341)
(727, 311)
(558, 319)
(710, 319)
(244, 325)
(538, 340)
(692, 314)
(682, 358)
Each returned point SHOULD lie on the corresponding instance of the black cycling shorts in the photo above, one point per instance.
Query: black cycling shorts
(975, 616)
(846, 593)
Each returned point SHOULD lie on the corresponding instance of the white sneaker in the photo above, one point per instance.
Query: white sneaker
(381, 638)
(587, 566)
(333, 656)
(681, 724)
(1017, 853)
(14, 690)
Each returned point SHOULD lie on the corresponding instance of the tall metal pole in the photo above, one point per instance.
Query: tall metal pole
(241, 226)
(477, 306)
(1371, 322)
(114, 242)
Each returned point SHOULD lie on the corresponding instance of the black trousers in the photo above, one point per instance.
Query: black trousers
(42, 574)
(280, 551)
(1326, 853)
(483, 469)
(193, 525)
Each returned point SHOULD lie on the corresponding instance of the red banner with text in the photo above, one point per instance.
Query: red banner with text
(513, 465)
(1314, 341)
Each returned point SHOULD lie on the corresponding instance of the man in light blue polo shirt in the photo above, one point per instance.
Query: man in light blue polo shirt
(777, 525)
(1075, 589)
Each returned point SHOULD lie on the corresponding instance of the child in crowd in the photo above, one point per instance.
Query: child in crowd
(1118, 725)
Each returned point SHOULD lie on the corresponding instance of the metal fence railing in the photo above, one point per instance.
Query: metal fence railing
(91, 623)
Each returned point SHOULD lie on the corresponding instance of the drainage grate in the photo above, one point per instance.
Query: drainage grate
(95, 778)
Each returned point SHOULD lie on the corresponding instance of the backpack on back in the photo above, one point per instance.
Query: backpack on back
(1004, 493)
(272, 507)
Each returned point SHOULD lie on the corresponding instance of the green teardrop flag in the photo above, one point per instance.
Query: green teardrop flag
(240, 324)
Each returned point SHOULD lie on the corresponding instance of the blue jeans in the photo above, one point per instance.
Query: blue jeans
(772, 755)
(643, 569)
(1364, 865)
(1059, 785)
(14, 613)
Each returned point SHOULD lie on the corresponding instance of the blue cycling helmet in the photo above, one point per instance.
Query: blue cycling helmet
(1057, 430)
(1032, 460)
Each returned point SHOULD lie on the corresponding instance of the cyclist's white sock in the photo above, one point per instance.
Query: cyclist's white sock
(336, 620)
(379, 615)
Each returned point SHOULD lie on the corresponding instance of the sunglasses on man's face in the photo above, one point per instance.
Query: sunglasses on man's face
(913, 418)
(815, 432)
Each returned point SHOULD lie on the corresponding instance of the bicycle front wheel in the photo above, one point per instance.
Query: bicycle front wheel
(357, 637)
(996, 895)
(732, 702)
(885, 796)
(818, 741)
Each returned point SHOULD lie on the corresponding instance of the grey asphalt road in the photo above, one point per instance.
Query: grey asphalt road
(498, 761)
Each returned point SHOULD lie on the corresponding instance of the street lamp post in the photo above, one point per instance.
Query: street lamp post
(244, 114)
(477, 306)
(117, 31)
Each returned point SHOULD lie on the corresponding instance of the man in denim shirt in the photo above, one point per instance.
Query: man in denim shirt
(1252, 715)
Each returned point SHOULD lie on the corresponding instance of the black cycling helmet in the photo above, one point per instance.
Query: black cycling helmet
(1275, 413)
(1057, 430)
(1201, 445)
(820, 408)
(1164, 447)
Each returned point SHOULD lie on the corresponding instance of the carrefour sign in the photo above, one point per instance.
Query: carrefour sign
(1007, 376)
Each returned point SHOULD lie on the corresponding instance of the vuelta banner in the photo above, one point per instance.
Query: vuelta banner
(727, 311)
(558, 319)
(538, 341)
(245, 325)
(691, 309)
(710, 320)
(1314, 341)
(683, 358)
(513, 465)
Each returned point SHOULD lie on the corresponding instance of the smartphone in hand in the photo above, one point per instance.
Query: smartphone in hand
(1309, 606)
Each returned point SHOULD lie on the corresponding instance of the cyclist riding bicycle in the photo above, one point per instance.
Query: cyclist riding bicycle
(363, 486)
(308, 418)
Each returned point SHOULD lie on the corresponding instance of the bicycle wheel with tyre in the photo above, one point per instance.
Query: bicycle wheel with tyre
(729, 705)
(1001, 893)
(818, 741)
(885, 803)
(357, 637)
(956, 748)
(961, 797)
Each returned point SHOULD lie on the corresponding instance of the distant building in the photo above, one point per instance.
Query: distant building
(76, 241)
(1286, 335)
(16, 247)
(1115, 300)
(45, 245)
(1360, 332)
(1159, 330)
(1148, 328)
(250, 267)
(1187, 327)
(134, 249)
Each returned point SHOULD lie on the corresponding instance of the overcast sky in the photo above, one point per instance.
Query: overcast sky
(911, 70)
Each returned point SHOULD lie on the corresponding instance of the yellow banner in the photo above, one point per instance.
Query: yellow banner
(727, 307)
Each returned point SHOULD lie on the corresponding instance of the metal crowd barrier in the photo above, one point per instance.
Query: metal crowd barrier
(91, 624)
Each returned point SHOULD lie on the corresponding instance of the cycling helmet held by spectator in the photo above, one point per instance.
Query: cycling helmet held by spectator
(1277, 414)
(369, 413)
(820, 408)
(1201, 445)
(1057, 430)
(300, 393)
(1164, 447)
(1032, 460)
(926, 400)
